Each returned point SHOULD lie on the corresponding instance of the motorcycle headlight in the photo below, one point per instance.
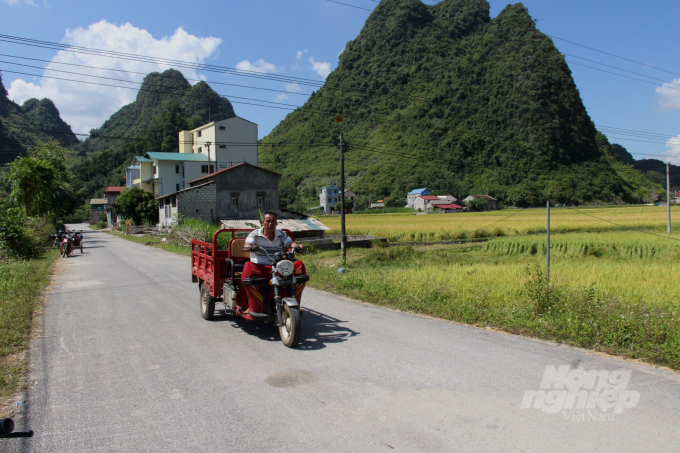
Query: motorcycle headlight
(284, 268)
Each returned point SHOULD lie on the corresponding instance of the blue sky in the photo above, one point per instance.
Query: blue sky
(303, 38)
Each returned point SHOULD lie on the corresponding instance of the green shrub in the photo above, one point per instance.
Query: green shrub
(17, 238)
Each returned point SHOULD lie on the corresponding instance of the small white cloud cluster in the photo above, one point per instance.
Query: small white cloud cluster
(321, 68)
(669, 95)
(260, 66)
(85, 106)
(674, 150)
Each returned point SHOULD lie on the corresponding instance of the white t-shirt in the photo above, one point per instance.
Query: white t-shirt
(279, 244)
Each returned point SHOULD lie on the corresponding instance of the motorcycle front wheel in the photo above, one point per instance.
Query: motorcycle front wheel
(291, 327)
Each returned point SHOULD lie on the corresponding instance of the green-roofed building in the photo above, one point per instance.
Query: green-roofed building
(204, 150)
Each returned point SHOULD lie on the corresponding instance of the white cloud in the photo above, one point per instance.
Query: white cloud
(669, 95)
(15, 2)
(299, 54)
(281, 97)
(674, 150)
(259, 66)
(85, 106)
(321, 68)
(293, 87)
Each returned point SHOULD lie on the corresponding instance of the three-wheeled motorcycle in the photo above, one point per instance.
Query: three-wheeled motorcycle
(218, 274)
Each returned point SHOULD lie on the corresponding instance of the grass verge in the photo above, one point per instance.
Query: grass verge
(21, 286)
(154, 241)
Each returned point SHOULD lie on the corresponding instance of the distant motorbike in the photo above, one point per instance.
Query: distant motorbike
(70, 241)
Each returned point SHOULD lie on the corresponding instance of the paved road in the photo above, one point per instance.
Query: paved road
(125, 363)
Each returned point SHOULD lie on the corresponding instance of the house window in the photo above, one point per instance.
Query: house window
(261, 198)
(182, 171)
(204, 168)
(177, 187)
(200, 149)
(234, 200)
(161, 203)
(154, 170)
(222, 128)
(198, 133)
(223, 146)
(177, 169)
(329, 200)
(174, 201)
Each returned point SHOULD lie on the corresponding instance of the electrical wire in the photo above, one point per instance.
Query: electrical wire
(623, 226)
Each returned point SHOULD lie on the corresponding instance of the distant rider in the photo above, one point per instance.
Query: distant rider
(273, 240)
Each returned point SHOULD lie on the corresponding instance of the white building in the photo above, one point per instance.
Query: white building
(414, 194)
(329, 198)
(204, 150)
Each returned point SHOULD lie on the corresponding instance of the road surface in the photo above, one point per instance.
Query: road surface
(125, 363)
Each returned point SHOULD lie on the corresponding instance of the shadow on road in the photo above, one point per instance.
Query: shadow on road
(318, 329)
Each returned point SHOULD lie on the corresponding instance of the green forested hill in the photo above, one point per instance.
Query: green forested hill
(44, 115)
(462, 104)
(165, 105)
(157, 92)
(16, 134)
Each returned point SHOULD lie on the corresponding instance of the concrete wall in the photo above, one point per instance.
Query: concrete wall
(247, 182)
(198, 203)
(186, 142)
(238, 131)
(331, 192)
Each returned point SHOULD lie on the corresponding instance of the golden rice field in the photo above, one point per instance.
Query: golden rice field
(434, 227)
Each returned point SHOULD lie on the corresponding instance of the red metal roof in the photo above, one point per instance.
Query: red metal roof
(231, 168)
(429, 197)
(118, 189)
(448, 206)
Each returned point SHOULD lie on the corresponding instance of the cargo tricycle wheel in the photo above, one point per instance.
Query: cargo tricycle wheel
(290, 329)
(207, 303)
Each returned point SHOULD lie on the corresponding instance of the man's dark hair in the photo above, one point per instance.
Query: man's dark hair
(270, 213)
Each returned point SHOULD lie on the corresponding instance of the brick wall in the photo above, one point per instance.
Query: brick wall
(198, 203)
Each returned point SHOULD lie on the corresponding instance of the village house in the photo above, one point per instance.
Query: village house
(112, 194)
(329, 198)
(414, 194)
(98, 210)
(421, 202)
(491, 202)
(202, 151)
(236, 192)
(131, 174)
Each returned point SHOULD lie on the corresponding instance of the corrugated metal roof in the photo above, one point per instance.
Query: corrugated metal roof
(182, 157)
(115, 189)
(429, 197)
(308, 224)
(99, 201)
(142, 159)
(232, 168)
(418, 191)
(448, 206)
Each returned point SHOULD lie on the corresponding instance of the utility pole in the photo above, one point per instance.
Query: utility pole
(547, 247)
(668, 194)
(343, 239)
(207, 145)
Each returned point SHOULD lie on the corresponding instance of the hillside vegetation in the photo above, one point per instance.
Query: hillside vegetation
(462, 104)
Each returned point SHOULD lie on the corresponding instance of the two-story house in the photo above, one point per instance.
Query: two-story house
(413, 195)
(330, 199)
(202, 151)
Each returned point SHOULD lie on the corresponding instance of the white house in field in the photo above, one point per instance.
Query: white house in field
(204, 150)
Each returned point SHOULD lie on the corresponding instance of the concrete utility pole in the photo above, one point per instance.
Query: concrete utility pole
(207, 145)
(343, 239)
(668, 194)
(547, 246)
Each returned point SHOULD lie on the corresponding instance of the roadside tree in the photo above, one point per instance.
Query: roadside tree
(138, 205)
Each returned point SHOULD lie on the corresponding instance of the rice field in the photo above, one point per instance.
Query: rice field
(466, 225)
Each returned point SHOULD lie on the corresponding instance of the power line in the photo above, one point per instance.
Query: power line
(623, 226)
(351, 6)
(612, 55)
(620, 75)
(624, 70)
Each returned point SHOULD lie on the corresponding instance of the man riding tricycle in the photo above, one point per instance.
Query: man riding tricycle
(257, 277)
